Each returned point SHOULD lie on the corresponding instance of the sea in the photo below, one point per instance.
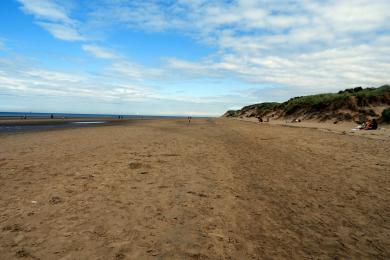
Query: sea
(70, 115)
(78, 120)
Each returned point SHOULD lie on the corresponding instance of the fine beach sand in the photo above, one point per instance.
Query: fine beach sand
(215, 189)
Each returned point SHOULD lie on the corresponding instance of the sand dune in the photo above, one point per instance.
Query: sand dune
(215, 189)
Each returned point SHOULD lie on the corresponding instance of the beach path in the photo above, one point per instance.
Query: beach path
(214, 189)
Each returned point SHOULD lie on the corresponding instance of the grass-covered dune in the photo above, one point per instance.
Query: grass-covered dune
(349, 104)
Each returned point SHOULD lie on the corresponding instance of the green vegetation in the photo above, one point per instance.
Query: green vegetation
(373, 96)
(344, 105)
(386, 115)
(254, 110)
(350, 99)
(315, 103)
(264, 108)
(231, 113)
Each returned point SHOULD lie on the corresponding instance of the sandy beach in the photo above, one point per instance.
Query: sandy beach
(214, 189)
(342, 127)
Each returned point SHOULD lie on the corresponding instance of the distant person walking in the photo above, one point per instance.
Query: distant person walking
(189, 120)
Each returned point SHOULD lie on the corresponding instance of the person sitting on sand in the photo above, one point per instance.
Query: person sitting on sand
(371, 125)
(364, 126)
(367, 125)
(260, 119)
(374, 125)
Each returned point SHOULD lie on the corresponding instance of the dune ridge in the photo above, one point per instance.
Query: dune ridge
(348, 105)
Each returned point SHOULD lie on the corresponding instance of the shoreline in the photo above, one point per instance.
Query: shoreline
(10, 126)
(342, 128)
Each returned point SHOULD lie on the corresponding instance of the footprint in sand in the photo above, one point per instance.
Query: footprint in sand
(170, 154)
(119, 256)
(13, 228)
(56, 200)
(202, 195)
(135, 165)
(138, 165)
(23, 253)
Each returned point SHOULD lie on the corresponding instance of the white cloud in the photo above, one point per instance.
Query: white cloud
(54, 18)
(324, 70)
(62, 32)
(256, 41)
(188, 68)
(11, 83)
(310, 44)
(20, 78)
(48, 75)
(46, 10)
(135, 14)
(99, 52)
(355, 16)
(133, 71)
(197, 113)
(60, 84)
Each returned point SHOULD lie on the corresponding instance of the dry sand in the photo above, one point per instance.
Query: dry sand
(215, 189)
(342, 127)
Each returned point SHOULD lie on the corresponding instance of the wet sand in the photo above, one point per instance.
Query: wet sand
(215, 189)
(12, 125)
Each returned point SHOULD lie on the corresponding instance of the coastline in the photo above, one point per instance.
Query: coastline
(11, 125)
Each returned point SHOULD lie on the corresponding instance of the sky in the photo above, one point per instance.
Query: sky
(185, 57)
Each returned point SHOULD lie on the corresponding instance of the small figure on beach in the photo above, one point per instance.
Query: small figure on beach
(260, 119)
(51, 116)
(368, 125)
(189, 120)
(374, 125)
(371, 125)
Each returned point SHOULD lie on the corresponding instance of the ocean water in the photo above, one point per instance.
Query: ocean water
(68, 115)
(6, 127)
(36, 127)
(25, 126)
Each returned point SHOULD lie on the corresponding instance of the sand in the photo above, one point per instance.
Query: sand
(215, 189)
(342, 127)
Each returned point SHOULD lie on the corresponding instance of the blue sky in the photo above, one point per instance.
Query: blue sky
(185, 57)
